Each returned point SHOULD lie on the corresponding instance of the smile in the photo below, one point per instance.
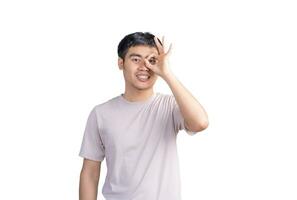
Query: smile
(143, 78)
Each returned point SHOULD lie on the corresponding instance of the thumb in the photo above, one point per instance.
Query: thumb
(148, 64)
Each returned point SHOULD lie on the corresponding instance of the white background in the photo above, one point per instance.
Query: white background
(58, 59)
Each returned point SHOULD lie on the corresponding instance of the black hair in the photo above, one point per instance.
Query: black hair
(134, 39)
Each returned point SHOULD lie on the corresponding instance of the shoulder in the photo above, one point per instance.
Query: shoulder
(104, 106)
(166, 98)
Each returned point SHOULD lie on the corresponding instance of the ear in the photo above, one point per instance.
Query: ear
(120, 63)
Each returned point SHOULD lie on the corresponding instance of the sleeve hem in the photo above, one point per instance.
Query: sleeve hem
(91, 157)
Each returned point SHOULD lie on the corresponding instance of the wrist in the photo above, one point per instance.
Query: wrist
(168, 75)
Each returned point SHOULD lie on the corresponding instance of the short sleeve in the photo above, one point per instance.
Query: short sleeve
(178, 120)
(92, 146)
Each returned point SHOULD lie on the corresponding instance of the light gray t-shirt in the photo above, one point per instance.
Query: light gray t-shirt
(138, 140)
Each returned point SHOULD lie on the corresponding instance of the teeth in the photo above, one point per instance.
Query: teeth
(142, 77)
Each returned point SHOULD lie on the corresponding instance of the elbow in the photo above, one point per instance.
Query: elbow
(199, 126)
(204, 125)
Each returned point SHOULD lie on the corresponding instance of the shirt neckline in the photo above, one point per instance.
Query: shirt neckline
(138, 102)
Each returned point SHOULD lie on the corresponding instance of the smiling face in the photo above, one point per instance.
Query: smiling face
(137, 76)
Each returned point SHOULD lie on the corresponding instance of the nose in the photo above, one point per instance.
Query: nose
(143, 67)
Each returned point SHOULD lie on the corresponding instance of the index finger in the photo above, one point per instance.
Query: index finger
(159, 46)
(152, 58)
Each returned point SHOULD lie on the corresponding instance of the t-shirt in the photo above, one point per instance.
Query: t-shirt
(138, 140)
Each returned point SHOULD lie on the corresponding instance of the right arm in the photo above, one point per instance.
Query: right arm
(89, 179)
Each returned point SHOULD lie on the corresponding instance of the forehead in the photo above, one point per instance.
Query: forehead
(141, 50)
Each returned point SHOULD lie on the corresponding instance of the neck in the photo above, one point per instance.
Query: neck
(138, 95)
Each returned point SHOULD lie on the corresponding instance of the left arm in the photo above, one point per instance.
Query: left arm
(196, 118)
(193, 113)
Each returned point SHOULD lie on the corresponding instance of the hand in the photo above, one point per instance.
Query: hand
(159, 64)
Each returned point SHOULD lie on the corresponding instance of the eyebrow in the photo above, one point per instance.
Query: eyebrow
(137, 55)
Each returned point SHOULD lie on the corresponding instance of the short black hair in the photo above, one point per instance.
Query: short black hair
(134, 39)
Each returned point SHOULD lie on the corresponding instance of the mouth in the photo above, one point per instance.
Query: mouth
(143, 77)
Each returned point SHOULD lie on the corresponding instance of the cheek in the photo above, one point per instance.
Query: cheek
(154, 78)
(129, 68)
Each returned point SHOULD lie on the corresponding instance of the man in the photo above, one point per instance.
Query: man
(136, 131)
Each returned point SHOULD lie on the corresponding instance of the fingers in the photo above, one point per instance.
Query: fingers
(152, 59)
(147, 64)
(169, 50)
(159, 46)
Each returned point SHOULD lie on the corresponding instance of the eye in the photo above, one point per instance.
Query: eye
(153, 60)
(135, 60)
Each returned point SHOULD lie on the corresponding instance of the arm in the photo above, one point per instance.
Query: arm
(89, 178)
(196, 118)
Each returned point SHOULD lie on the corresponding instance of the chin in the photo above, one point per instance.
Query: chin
(143, 87)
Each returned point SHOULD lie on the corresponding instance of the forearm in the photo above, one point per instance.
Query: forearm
(88, 186)
(194, 114)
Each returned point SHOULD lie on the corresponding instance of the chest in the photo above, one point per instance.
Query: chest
(124, 131)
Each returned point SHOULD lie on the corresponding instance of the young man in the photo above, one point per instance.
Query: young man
(136, 131)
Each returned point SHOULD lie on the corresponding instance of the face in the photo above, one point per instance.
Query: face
(137, 75)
